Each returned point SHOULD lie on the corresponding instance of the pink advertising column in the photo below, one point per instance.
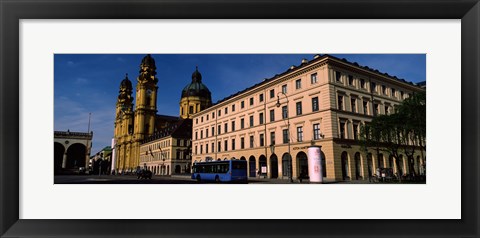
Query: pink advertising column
(315, 164)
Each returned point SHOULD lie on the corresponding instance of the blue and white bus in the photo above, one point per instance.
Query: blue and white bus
(220, 171)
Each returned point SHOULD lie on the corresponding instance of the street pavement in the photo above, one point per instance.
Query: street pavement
(174, 179)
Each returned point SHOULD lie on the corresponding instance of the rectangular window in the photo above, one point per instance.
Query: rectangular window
(316, 131)
(213, 115)
(272, 138)
(298, 84)
(233, 144)
(313, 78)
(219, 131)
(373, 87)
(272, 93)
(365, 108)
(285, 136)
(213, 132)
(242, 104)
(260, 97)
(284, 89)
(206, 148)
(251, 141)
(242, 123)
(233, 107)
(225, 126)
(196, 150)
(386, 110)
(219, 112)
(299, 134)
(201, 119)
(225, 143)
(226, 110)
(342, 130)
(392, 92)
(213, 147)
(251, 101)
(242, 143)
(338, 76)
(251, 121)
(261, 118)
(355, 131)
(233, 125)
(401, 94)
(354, 104)
(219, 146)
(377, 109)
(384, 90)
(284, 112)
(262, 140)
(340, 102)
(272, 115)
(350, 80)
(315, 104)
(201, 134)
(362, 83)
(196, 135)
(299, 108)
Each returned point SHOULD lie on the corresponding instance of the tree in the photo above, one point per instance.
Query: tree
(402, 131)
(414, 110)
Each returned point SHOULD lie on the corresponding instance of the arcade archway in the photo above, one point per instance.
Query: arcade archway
(274, 166)
(76, 156)
(286, 165)
(302, 162)
(251, 166)
(58, 152)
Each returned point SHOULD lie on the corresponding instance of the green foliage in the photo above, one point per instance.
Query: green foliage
(402, 131)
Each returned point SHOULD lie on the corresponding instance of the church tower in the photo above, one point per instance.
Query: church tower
(195, 97)
(146, 104)
(132, 126)
(123, 125)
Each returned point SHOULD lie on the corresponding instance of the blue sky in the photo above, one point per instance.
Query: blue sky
(89, 83)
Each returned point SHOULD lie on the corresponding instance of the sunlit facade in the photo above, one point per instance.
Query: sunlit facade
(319, 102)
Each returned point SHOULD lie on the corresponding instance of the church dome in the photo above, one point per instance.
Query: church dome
(148, 61)
(126, 83)
(196, 87)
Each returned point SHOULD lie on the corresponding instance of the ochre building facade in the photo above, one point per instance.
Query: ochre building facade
(143, 139)
(133, 125)
(320, 102)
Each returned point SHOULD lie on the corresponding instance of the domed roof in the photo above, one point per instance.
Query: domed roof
(196, 76)
(126, 83)
(148, 60)
(196, 87)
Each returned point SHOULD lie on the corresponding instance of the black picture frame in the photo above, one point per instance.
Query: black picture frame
(12, 11)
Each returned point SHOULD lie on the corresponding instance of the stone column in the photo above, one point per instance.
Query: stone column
(64, 162)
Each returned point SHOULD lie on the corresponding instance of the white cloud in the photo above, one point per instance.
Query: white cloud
(74, 116)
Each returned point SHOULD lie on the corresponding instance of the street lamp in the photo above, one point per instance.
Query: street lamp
(288, 135)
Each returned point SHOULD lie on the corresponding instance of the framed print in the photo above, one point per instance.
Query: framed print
(36, 35)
